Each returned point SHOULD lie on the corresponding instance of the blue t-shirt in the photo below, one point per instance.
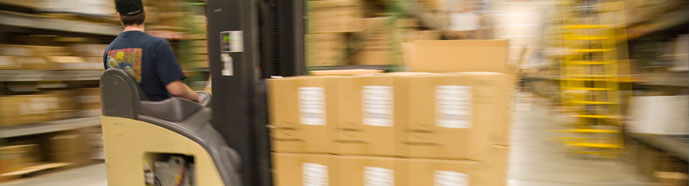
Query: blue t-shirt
(148, 59)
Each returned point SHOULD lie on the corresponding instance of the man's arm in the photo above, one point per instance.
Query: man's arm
(179, 89)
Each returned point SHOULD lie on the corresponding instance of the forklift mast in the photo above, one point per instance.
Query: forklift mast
(249, 41)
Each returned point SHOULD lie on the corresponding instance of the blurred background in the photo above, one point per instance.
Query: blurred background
(603, 95)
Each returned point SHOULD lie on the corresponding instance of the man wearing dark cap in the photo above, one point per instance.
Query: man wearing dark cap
(148, 59)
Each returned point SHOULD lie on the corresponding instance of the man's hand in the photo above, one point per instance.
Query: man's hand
(179, 89)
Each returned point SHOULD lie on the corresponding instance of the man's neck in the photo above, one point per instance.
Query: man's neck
(134, 28)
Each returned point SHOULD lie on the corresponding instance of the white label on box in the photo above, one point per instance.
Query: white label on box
(314, 174)
(377, 105)
(312, 105)
(376, 176)
(453, 106)
(449, 178)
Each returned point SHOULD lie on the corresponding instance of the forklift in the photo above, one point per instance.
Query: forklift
(223, 141)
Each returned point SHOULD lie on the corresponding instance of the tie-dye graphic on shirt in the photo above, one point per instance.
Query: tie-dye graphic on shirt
(128, 59)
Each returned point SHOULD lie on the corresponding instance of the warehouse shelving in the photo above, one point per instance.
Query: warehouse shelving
(657, 23)
(674, 79)
(50, 75)
(47, 23)
(48, 127)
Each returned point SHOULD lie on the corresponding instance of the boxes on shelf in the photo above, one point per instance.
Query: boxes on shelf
(89, 50)
(94, 139)
(89, 100)
(365, 122)
(25, 109)
(375, 49)
(458, 56)
(88, 7)
(16, 157)
(300, 119)
(32, 50)
(326, 49)
(74, 63)
(304, 169)
(66, 105)
(8, 63)
(334, 16)
(453, 115)
(35, 63)
(70, 147)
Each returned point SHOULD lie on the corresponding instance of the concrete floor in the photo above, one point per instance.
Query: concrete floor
(533, 160)
(536, 161)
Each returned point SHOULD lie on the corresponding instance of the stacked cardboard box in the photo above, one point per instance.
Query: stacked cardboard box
(16, 157)
(89, 100)
(381, 129)
(376, 48)
(325, 49)
(328, 23)
(334, 16)
(457, 123)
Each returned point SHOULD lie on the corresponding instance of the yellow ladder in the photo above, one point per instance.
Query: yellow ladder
(590, 78)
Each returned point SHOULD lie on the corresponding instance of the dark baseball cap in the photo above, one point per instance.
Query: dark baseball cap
(129, 7)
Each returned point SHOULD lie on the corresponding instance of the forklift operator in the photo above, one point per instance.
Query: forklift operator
(148, 59)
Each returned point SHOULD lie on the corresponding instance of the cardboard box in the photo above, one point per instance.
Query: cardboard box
(89, 50)
(373, 57)
(36, 63)
(68, 62)
(458, 56)
(365, 119)
(304, 169)
(334, 16)
(70, 147)
(300, 119)
(453, 116)
(372, 171)
(7, 63)
(325, 49)
(66, 104)
(491, 172)
(89, 101)
(16, 157)
(25, 109)
(32, 50)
